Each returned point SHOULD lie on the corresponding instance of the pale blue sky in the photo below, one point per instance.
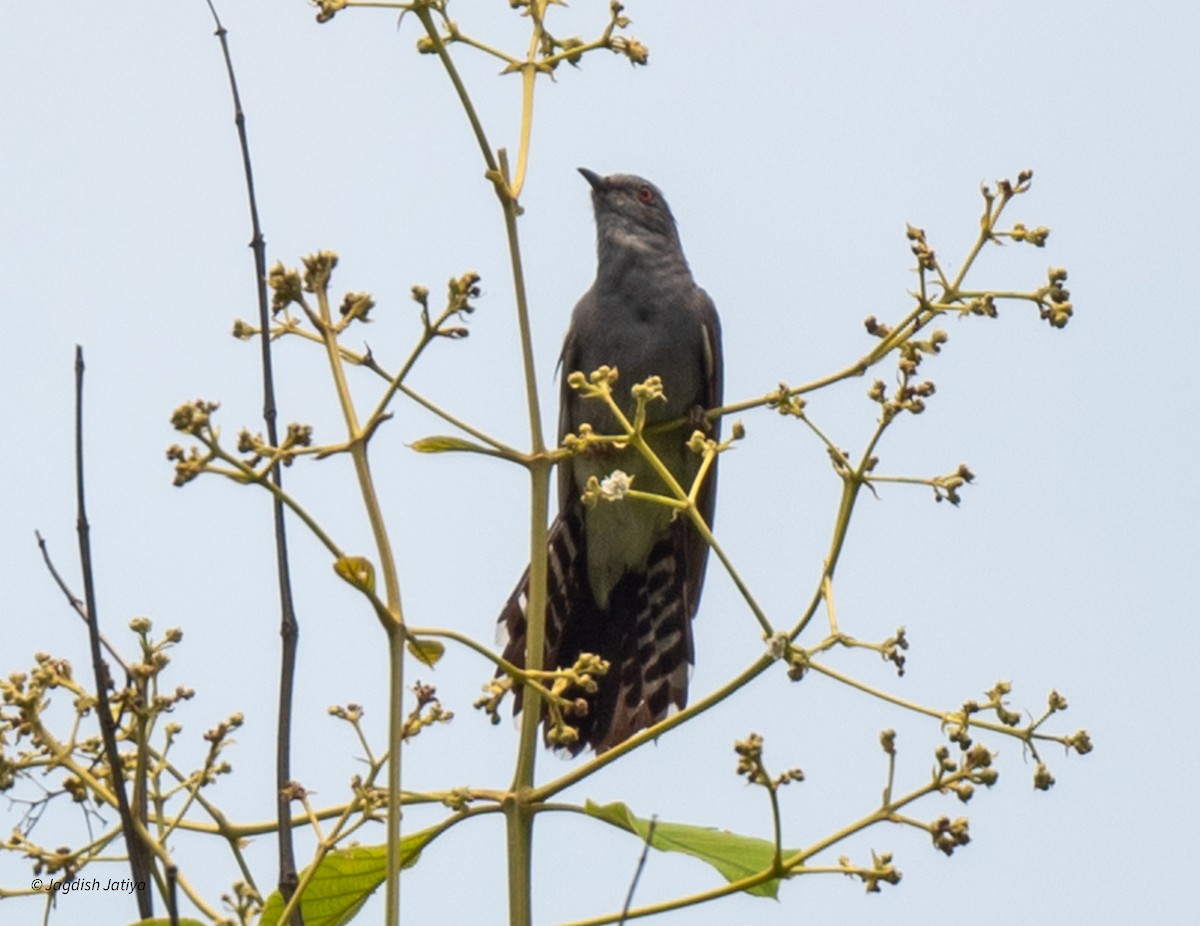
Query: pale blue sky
(794, 141)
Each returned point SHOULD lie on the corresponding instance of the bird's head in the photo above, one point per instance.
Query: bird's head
(631, 213)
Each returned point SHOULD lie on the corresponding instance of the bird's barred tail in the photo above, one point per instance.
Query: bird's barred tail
(565, 573)
(644, 634)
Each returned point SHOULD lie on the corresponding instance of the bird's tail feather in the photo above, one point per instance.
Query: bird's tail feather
(644, 634)
(565, 573)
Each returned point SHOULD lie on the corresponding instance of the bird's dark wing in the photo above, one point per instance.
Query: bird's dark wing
(568, 363)
(711, 396)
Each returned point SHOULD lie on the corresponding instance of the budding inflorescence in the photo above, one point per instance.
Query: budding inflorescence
(784, 402)
(750, 764)
(427, 712)
(1054, 304)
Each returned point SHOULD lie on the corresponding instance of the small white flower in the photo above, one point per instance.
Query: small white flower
(615, 486)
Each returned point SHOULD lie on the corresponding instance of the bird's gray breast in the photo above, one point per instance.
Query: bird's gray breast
(641, 339)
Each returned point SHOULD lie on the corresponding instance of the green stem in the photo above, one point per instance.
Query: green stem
(852, 482)
(527, 357)
(395, 735)
(423, 14)
(394, 628)
(902, 331)
(517, 811)
(502, 449)
(528, 82)
(776, 824)
(242, 472)
(651, 733)
(747, 595)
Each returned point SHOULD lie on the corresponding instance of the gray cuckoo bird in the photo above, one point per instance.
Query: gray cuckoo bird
(625, 577)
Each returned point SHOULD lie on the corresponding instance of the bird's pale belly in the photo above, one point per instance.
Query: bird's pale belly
(621, 534)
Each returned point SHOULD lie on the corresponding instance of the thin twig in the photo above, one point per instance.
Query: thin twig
(289, 627)
(173, 894)
(637, 873)
(76, 605)
(139, 855)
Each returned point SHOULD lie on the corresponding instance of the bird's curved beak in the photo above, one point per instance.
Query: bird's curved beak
(594, 179)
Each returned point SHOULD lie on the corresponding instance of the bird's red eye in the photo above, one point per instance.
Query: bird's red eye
(646, 195)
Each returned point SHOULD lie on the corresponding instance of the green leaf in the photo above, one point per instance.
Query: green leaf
(441, 443)
(733, 855)
(428, 651)
(345, 879)
(358, 571)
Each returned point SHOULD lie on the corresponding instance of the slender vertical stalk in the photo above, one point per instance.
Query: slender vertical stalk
(395, 729)
(518, 812)
(139, 851)
(517, 809)
(289, 626)
(387, 566)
